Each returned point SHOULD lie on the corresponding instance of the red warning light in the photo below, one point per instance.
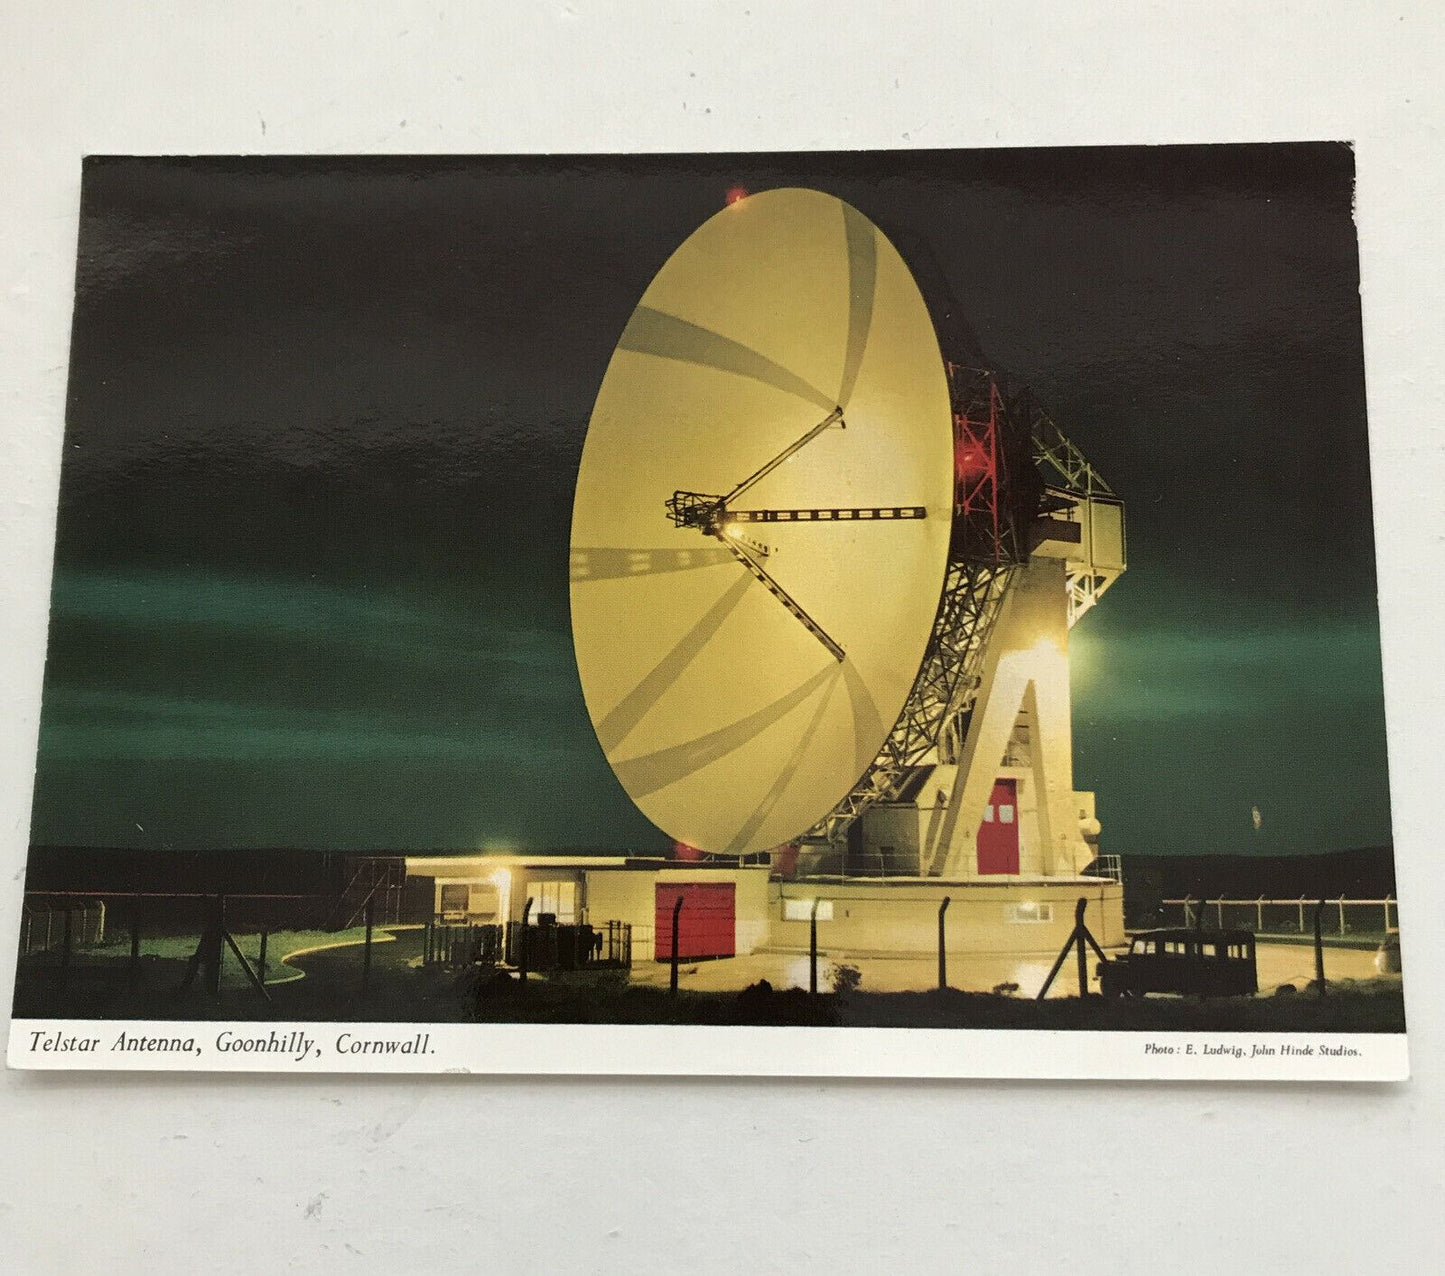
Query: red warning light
(969, 458)
(736, 193)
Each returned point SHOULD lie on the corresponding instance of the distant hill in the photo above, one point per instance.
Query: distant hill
(239, 870)
(105, 870)
(1366, 873)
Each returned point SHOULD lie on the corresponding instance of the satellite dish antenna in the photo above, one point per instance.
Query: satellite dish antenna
(762, 521)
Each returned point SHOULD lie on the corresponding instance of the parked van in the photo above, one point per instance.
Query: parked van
(1198, 963)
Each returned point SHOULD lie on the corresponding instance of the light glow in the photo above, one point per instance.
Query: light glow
(801, 910)
(501, 878)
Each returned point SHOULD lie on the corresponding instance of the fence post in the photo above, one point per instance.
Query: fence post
(66, 941)
(813, 948)
(1342, 914)
(1320, 948)
(1219, 911)
(366, 946)
(216, 945)
(1259, 915)
(1387, 912)
(134, 972)
(1083, 954)
(942, 945)
(676, 925)
(526, 917)
(1301, 914)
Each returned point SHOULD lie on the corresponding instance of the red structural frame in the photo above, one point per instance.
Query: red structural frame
(976, 462)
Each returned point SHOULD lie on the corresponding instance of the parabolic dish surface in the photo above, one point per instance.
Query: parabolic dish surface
(732, 726)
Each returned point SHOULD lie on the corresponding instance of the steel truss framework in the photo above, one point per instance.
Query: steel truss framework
(946, 685)
(1056, 456)
(988, 545)
(1068, 477)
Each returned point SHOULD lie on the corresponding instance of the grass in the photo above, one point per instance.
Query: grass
(279, 945)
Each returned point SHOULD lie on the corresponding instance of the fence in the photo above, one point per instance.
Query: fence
(48, 925)
(455, 946)
(69, 936)
(1363, 917)
(551, 947)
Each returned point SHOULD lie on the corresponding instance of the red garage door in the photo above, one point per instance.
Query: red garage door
(706, 926)
(998, 835)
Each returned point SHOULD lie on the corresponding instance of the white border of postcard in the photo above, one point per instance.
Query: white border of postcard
(658, 1050)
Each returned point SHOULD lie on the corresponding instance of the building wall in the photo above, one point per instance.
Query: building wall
(483, 899)
(624, 896)
(629, 895)
(892, 838)
(983, 916)
(986, 915)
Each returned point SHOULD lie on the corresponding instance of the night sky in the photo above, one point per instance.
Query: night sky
(325, 416)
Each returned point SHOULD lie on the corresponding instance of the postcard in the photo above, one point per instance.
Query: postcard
(903, 613)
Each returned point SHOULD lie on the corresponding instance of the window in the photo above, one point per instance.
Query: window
(455, 898)
(1028, 913)
(1005, 815)
(557, 898)
(801, 910)
(988, 814)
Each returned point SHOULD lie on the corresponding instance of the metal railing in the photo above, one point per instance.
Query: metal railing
(1289, 916)
(1110, 866)
(553, 947)
(455, 946)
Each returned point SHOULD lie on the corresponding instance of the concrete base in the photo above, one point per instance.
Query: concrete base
(898, 916)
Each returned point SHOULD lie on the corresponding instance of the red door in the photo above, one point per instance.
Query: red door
(998, 835)
(706, 926)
